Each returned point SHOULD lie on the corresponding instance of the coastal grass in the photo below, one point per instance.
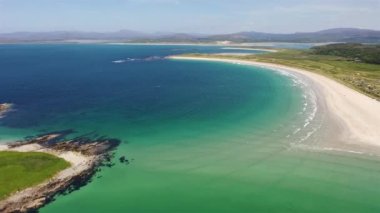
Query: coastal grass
(20, 170)
(363, 77)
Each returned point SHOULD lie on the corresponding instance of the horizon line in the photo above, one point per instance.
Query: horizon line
(189, 33)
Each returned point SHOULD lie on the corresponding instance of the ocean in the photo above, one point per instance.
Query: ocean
(200, 136)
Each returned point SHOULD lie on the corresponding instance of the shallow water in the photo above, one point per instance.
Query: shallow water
(201, 136)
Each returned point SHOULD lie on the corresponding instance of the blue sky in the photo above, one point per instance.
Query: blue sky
(196, 16)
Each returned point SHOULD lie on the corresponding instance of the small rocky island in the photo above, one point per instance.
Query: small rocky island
(4, 108)
(84, 154)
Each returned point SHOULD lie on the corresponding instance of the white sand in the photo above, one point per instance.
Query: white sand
(3, 147)
(357, 114)
(78, 162)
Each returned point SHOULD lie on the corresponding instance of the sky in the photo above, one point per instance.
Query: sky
(188, 16)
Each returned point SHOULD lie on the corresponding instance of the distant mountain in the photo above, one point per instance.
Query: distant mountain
(330, 35)
(72, 35)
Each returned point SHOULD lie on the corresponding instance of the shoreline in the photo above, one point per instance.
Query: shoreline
(84, 156)
(354, 117)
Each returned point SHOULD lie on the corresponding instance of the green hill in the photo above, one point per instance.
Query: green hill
(356, 52)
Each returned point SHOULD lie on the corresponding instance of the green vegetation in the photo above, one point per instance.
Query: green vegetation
(356, 52)
(19, 170)
(363, 77)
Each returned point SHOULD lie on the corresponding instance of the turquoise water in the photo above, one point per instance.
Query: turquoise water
(203, 136)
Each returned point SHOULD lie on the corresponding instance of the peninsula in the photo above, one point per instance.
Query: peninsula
(74, 163)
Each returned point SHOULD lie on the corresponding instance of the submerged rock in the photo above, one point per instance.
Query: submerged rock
(123, 159)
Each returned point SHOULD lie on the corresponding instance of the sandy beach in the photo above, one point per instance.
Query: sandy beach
(355, 116)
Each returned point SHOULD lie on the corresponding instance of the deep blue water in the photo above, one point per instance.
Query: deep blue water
(56, 83)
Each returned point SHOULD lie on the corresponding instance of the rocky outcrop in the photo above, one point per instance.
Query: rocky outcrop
(84, 145)
(4, 108)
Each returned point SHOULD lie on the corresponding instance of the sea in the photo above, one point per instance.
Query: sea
(199, 136)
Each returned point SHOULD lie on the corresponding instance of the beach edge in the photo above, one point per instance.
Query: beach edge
(356, 115)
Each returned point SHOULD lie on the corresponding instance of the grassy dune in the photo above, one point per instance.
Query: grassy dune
(363, 77)
(19, 170)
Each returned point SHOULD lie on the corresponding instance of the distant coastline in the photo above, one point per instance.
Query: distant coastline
(250, 45)
(125, 35)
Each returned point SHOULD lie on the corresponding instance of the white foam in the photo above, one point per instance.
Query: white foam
(310, 103)
(118, 61)
(331, 149)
